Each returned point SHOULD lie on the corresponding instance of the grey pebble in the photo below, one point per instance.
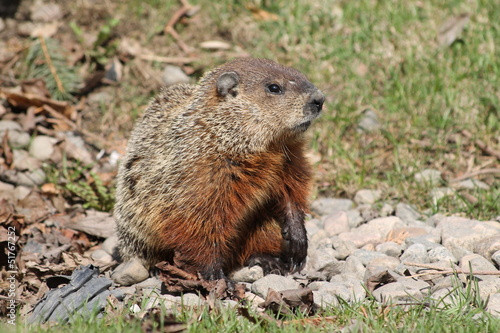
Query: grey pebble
(328, 293)
(368, 122)
(494, 305)
(407, 213)
(336, 223)
(428, 177)
(248, 274)
(173, 75)
(110, 245)
(366, 196)
(130, 272)
(42, 147)
(496, 258)
(396, 292)
(441, 253)
(273, 281)
(416, 253)
(390, 248)
(354, 267)
(327, 206)
(366, 256)
(459, 231)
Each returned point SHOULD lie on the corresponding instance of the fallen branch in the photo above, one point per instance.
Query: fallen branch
(475, 173)
(481, 145)
(172, 60)
(169, 28)
(441, 270)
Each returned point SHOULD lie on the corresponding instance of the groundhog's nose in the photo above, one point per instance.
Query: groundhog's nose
(316, 101)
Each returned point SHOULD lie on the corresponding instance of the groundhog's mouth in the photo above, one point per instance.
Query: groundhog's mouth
(303, 126)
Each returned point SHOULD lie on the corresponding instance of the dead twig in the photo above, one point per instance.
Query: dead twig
(171, 60)
(169, 28)
(475, 173)
(440, 270)
(481, 145)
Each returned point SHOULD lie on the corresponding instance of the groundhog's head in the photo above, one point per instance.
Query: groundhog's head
(259, 97)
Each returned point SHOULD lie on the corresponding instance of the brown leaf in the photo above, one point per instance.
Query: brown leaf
(262, 15)
(7, 152)
(451, 30)
(378, 280)
(98, 224)
(287, 301)
(49, 188)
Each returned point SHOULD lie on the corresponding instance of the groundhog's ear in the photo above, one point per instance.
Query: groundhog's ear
(227, 83)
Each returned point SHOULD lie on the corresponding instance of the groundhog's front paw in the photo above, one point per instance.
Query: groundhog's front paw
(294, 246)
(269, 264)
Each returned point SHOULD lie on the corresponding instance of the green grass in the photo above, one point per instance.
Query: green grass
(463, 311)
(381, 55)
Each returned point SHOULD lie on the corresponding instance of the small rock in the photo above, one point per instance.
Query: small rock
(328, 293)
(327, 206)
(110, 245)
(354, 267)
(367, 256)
(254, 299)
(173, 75)
(494, 305)
(45, 12)
(74, 146)
(407, 213)
(496, 258)
(416, 253)
(488, 246)
(190, 299)
(428, 177)
(42, 147)
(441, 192)
(477, 263)
(429, 240)
(396, 292)
(17, 137)
(390, 248)
(6, 187)
(441, 253)
(342, 248)
(336, 223)
(248, 274)
(375, 231)
(101, 257)
(23, 161)
(472, 184)
(368, 122)
(152, 282)
(317, 238)
(488, 287)
(465, 233)
(2, 24)
(385, 261)
(273, 281)
(355, 218)
(311, 227)
(324, 263)
(130, 272)
(386, 210)
(355, 286)
(366, 196)
(31, 178)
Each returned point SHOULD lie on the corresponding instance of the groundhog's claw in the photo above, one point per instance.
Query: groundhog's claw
(294, 246)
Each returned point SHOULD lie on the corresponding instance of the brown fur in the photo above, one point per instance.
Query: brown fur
(215, 173)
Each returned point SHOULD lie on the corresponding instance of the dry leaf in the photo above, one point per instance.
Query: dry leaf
(262, 15)
(215, 45)
(451, 30)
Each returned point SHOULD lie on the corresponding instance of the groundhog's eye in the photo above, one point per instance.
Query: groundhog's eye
(274, 88)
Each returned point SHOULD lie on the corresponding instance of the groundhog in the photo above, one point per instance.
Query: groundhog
(215, 175)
